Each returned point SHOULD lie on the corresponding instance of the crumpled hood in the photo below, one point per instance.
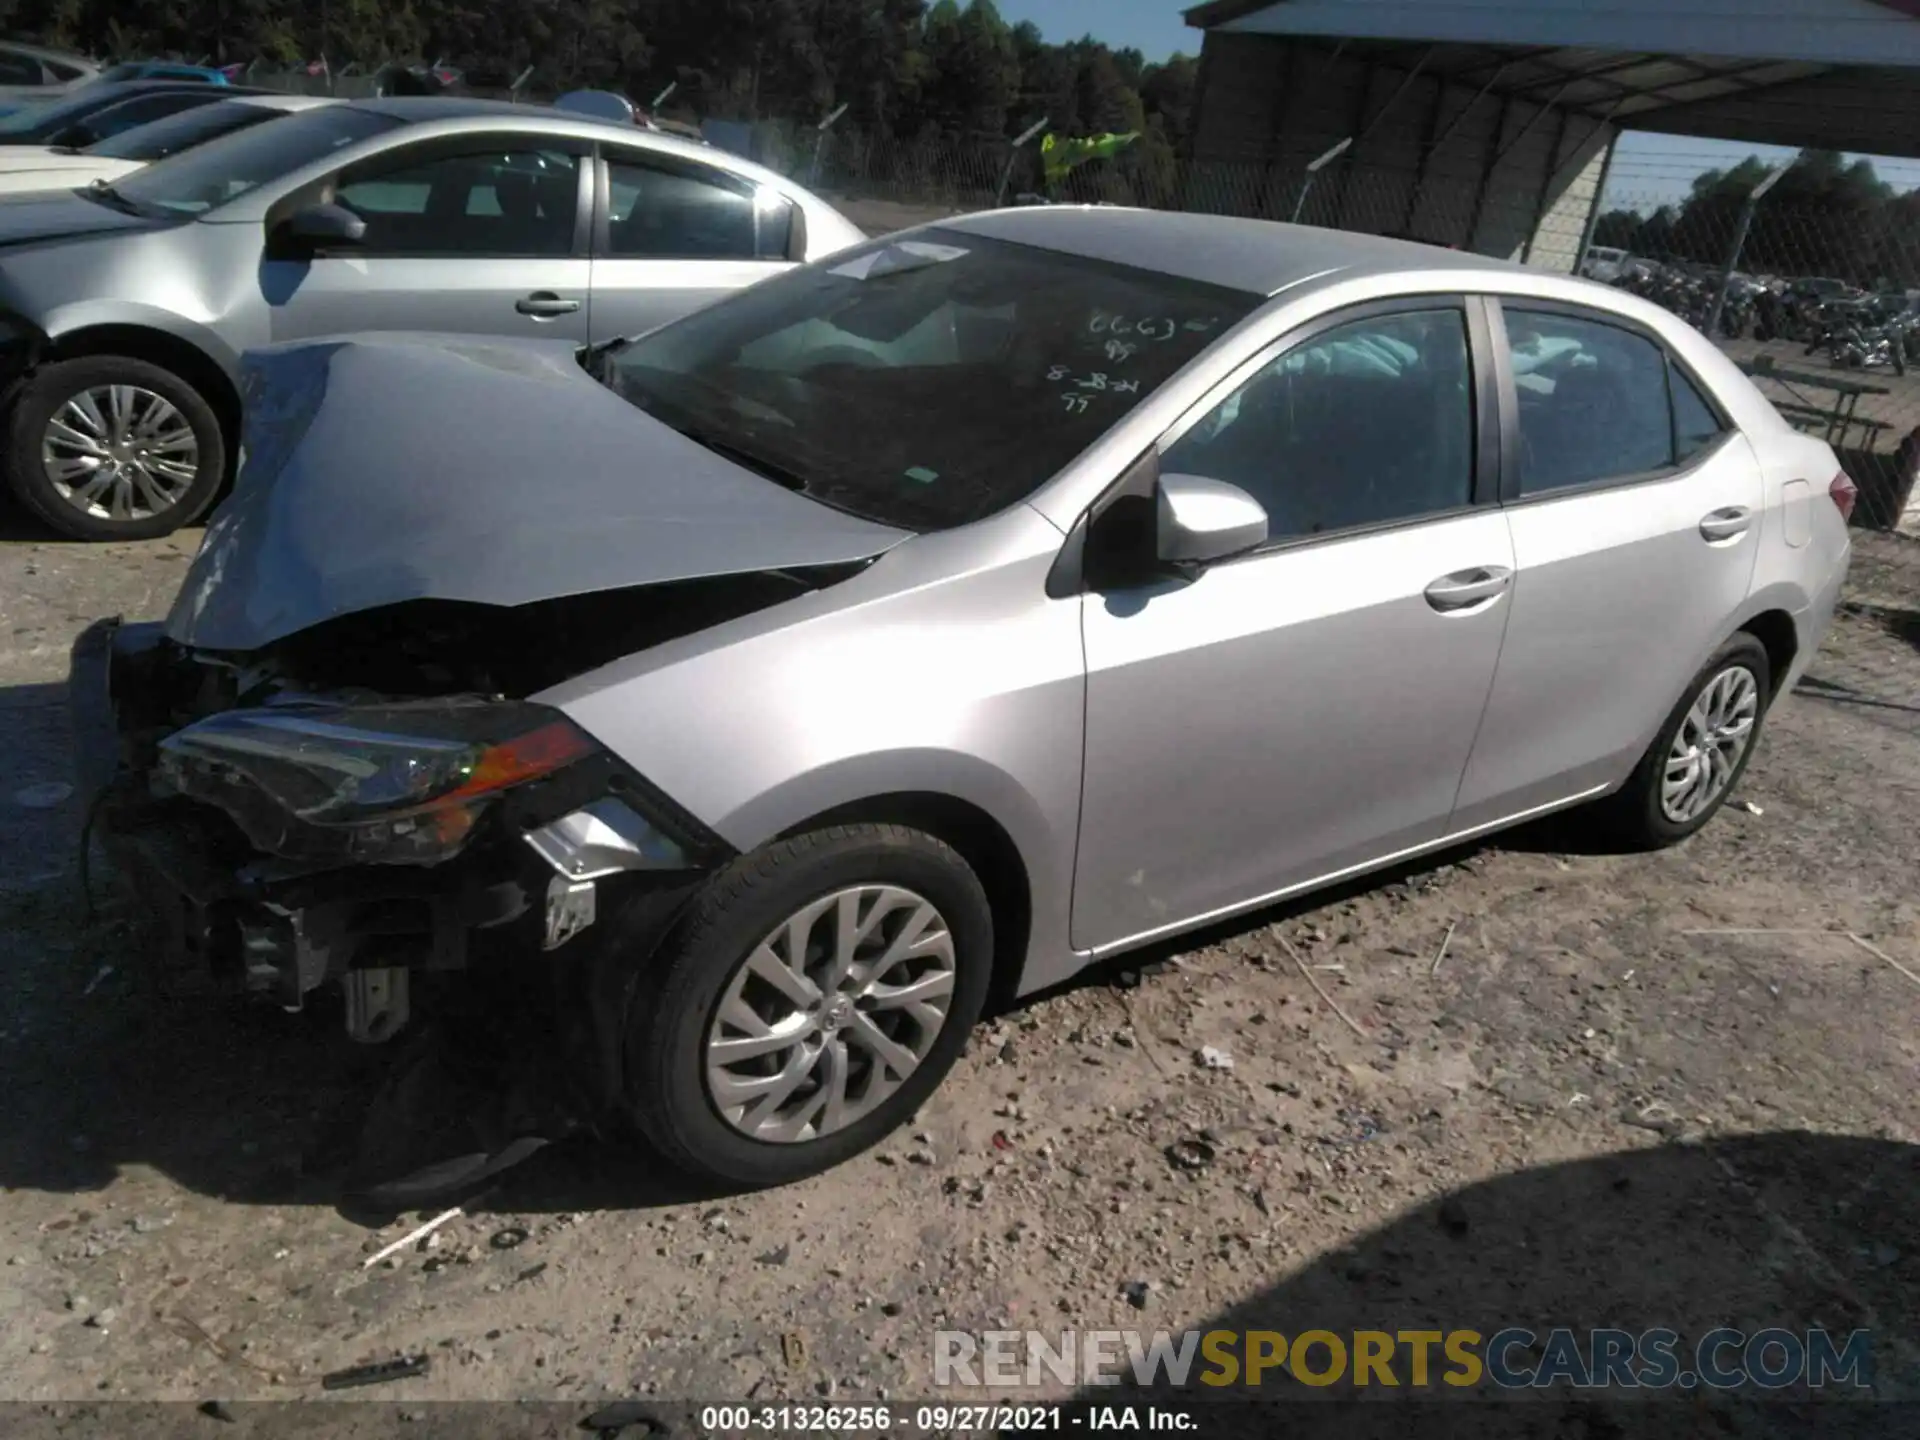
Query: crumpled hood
(384, 468)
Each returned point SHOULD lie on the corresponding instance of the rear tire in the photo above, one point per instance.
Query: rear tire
(1732, 689)
(73, 422)
(811, 1089)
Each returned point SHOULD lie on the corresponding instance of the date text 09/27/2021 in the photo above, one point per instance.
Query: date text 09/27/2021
(726, 1420)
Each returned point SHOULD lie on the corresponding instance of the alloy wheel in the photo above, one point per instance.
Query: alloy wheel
(1707, 749)
(120, 452)
(827, 1017)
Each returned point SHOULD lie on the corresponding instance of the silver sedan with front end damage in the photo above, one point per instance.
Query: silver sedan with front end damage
(930, 622)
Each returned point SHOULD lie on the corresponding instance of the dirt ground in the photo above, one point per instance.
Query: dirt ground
(1649, 1090)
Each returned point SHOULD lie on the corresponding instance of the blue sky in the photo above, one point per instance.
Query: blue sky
(1153, 27)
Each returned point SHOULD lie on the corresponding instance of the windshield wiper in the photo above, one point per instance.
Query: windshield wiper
(759, 464)
(102, 190)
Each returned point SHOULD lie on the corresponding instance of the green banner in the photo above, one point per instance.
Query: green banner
(1058, 155)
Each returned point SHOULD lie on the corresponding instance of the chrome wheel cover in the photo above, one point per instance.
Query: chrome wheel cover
(827, 1017)
(1710, 742)
(120, 452)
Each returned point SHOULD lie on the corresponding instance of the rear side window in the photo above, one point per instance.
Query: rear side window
(1695, 426)
(662, 211)
(1593, 401)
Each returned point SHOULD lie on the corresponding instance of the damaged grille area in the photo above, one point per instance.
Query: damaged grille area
(426, 648)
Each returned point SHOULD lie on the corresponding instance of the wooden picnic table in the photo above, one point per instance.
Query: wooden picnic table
(1838, 417)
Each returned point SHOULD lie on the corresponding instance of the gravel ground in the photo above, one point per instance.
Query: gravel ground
(1664, 1089)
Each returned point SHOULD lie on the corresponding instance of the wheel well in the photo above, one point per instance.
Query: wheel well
(982, 843)
(1774, 629)
(184, 358)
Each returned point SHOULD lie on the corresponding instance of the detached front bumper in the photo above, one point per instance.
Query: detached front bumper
(227, 917)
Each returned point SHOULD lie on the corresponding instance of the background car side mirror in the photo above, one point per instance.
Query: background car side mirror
(1199, 520)
(320, 227)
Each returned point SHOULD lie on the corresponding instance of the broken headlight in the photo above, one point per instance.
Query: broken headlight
(397, 783)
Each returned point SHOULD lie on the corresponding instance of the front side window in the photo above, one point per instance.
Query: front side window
(204, 177)
(1365, 424)
(1593, 401)
(660, 211)
(924, 382)
(487, 202)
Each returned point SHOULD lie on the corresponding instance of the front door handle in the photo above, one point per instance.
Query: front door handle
(545, 305)
(1726, 524)
(1468, 589)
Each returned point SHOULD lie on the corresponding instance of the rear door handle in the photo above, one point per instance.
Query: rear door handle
(1466, 589)
(544, 305)
(1726, 524)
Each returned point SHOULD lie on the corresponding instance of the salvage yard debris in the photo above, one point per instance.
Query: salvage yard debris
(1319, 989)
(379, 1373)
(418, 1233)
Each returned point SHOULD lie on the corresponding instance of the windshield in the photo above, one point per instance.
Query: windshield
(194, 181)
(160, 138)
(46, 118)
(924, 382)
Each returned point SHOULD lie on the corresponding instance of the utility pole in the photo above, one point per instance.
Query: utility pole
(1740, 243)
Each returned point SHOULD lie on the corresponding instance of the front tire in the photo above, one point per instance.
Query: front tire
(809, 1003)
(1701, 752)
(107, 447)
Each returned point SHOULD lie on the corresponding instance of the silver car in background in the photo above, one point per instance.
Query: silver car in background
(33, 74)
(931, 622)
(124, 307)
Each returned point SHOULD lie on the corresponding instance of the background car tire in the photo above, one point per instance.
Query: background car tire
(47, 392)
(1635, 814)
(673, 1008)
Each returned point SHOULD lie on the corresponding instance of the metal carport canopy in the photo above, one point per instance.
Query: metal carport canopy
(1824, 74)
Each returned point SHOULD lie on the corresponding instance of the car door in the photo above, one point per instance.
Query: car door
(1634, 509)
(672, 235)
(477, 235)
(1306, 709)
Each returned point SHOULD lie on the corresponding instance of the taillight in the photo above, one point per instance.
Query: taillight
(1844, 494)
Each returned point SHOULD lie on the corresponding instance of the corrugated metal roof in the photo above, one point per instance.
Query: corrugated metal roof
(1743, 69)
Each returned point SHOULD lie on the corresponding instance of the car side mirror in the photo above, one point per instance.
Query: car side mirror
(1199, 520)
(320, 227)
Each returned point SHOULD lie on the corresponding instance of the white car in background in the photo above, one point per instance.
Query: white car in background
(25, 168)
(1605, 263)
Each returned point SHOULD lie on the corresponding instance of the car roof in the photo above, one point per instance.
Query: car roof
(425, 109)
(418, 108)
(279, 102)
(1262, 257)
(44, 52)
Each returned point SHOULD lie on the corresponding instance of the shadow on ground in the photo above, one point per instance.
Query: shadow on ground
(1789, 1230)
(1785, 1230)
